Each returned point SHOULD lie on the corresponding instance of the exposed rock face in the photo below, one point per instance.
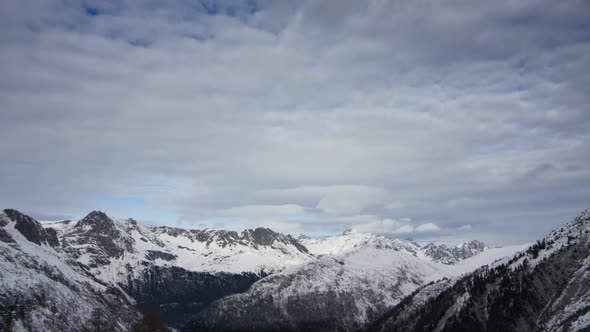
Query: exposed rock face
(452, 254)
(179, 293)
(31, 229)
(52, 237)
(4, 236)
(257, 238)
(546, 288)
(154, 254)
(97, 238)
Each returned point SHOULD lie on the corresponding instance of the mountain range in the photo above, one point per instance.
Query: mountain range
(544, 288)
(55, 275)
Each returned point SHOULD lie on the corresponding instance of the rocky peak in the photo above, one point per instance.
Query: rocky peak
(31, 229)
(100, 230)
(96, 219)
(263, 236)
(266, 237)
(131, 225)
(475, 245)
(452, 254)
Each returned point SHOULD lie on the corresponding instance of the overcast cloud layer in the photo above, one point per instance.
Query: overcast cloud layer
(444, 120)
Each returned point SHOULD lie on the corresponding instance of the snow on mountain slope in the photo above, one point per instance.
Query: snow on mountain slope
(40, 290)
(490, 256)
(106, 264)
(572, 307)
(178, 270)
(112, 249)
(342, 291)
(334, 292)
(350, 240)
(543, 288)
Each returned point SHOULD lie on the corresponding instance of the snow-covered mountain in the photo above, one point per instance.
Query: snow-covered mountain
(109, 247)
(42, 289)
(350, 240)
(445, 254)
(545, 288)
(99, 263)
(357, 278)
(54, 275)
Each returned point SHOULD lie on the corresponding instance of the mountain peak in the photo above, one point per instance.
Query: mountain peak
(96, 214)
(474, 244)
(264, 236)
(95, 218)
(99, 229)
(31, 229)
(261, 236)
(13, 214)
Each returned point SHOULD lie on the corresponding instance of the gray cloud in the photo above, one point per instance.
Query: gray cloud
(308, 116)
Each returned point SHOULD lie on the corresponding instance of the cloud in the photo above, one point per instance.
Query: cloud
(350, 200)
(316, 110)
(404, 229)
(465, 228)
(261, 211)
(462, 202)
(394, 205)
(428, 227)
(394, 227)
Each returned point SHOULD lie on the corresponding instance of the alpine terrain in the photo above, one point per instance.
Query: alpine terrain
(545, 288)
(57, 276)
(54, 275)
(356, 278)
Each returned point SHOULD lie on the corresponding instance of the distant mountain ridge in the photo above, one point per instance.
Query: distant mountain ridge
(120, 267)
(179, 271)
(350, 240)
(98, 240)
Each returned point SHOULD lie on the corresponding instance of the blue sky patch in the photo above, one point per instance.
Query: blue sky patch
(108, 202)
(92, 11)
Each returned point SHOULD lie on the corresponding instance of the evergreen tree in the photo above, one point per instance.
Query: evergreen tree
(151, 322)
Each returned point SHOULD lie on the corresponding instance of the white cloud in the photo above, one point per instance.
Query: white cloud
(392, 226)
(261, 211)
(465, 228)
(428, 227)
(405, 229)
(395, 205)
(350, 200)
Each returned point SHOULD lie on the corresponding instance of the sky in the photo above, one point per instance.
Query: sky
(436, 120)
